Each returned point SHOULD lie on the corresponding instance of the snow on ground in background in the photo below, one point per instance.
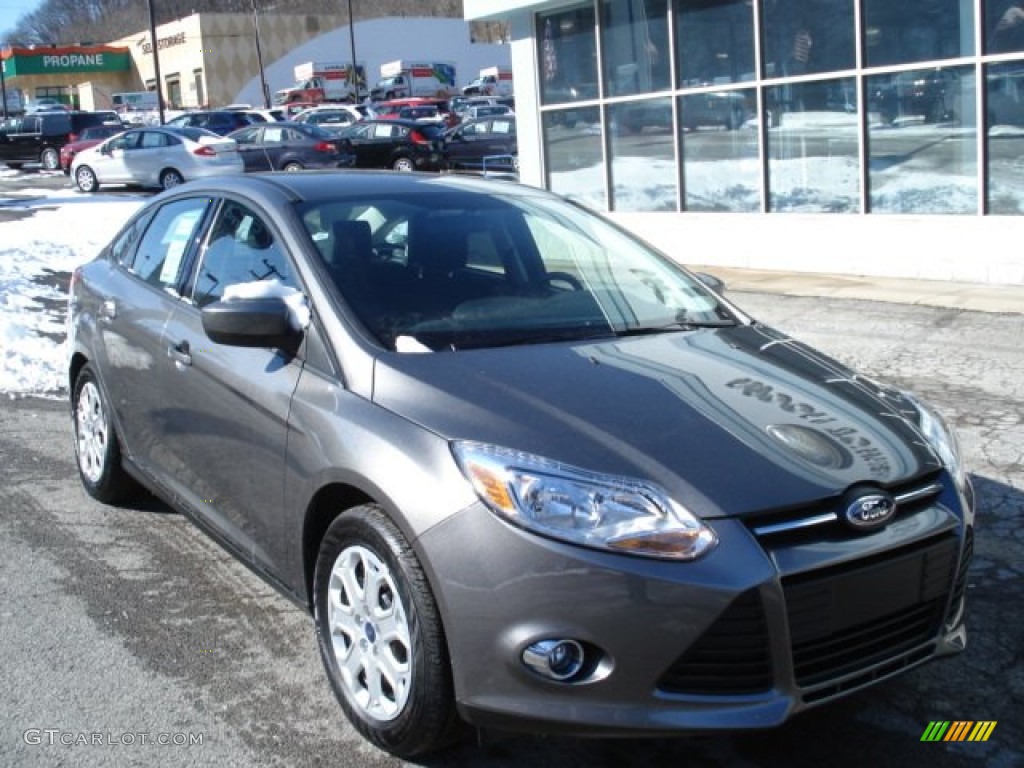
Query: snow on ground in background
(31, 361)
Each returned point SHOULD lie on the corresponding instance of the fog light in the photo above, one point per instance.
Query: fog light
(555, 659)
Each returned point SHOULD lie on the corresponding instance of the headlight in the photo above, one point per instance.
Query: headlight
(938, 434)
(580, 507)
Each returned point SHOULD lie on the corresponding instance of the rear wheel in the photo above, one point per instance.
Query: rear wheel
(404, 164)
(96, 445)
(380, 635)
(171, 178)
(292, 167)
(85, 179)
(50, 158)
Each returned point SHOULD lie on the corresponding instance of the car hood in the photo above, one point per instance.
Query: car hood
(730, 421)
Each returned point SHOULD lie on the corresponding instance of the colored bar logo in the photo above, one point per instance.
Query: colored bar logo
(959, 730)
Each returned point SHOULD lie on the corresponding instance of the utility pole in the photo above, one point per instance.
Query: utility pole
(3, 81)
(156, 62)
(352, 43)
(259, 58)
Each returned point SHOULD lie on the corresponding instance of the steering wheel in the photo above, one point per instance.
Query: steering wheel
(565, 277)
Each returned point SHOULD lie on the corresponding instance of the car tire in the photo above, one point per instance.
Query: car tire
(404, 164)
(97, 447)
(379, 629)
(292, 167)
(85, 179)
(50, 158)
(171, 178)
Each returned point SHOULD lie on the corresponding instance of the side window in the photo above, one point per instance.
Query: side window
(152, 140)
(30, 124)
(161, 253)
(241, 249)
(122, 250)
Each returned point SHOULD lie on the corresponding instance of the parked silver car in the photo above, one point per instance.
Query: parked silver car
(156, 156)
(522, 470)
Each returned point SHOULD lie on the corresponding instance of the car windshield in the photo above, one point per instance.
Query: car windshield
(456, 270)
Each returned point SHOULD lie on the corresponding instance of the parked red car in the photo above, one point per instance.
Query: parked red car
(90, 137)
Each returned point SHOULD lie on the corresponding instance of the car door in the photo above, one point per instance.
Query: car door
(9, 130)
(149, 155)
(113, 162)
(467, 144)
(250, 147)
(135, 301)
(230, 404)
(274, 146)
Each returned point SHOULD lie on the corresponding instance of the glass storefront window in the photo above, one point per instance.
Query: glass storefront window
(643, 163)
(715, 41)
(721, 167)
(922, 141)
(803, 37)
(1004, 89)
(917, 30)
(568, 55)
(575, 164)
(1004, 26)
(813, 139)
(635, 46)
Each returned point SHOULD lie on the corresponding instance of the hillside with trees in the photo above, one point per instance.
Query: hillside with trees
(96, 21)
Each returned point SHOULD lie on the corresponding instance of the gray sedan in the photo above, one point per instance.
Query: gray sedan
(522, 470)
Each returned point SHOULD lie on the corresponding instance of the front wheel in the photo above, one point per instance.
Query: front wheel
(96, 445)
(404, 164)
(85, 179)
(171, 178)
(380, 635)
(50, 159)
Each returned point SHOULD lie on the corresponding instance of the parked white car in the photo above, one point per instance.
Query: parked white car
(156, 156)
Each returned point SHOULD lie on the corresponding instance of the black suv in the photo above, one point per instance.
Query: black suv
(38, 137)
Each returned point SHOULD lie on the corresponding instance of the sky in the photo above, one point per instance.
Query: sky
(12, 10)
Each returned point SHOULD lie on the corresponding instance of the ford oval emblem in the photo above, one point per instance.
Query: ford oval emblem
(868, 511)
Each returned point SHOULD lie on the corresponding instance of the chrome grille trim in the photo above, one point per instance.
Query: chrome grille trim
(795, 525)
(904, 498)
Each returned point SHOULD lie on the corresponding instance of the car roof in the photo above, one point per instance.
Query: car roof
(324, 186)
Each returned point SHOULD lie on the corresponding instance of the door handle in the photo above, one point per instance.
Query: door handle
(180, 353)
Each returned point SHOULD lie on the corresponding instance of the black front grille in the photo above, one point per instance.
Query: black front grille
(845, 619)
(731, 657)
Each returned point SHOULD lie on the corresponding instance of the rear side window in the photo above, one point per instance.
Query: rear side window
(161, 254)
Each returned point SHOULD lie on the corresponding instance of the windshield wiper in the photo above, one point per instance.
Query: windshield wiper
(676, 325)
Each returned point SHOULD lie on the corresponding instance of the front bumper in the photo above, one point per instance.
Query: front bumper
(743, 638)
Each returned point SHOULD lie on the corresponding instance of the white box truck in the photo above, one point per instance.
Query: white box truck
(493, 81)
(404, 79)
(318, 81)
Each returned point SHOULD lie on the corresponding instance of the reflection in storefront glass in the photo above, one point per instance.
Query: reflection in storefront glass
(813, 164)
(802, 38)
(568, 55)
(636, 51)
(643, 162)
(1004, 26)
(572, 145)
(1004, 95)
(715, 41)
(721, 169)
(922, 141)
(917, 30)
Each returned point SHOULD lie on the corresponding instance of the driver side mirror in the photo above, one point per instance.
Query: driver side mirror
(715, 284)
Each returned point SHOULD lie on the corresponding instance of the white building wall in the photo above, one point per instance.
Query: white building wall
(387, 39)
